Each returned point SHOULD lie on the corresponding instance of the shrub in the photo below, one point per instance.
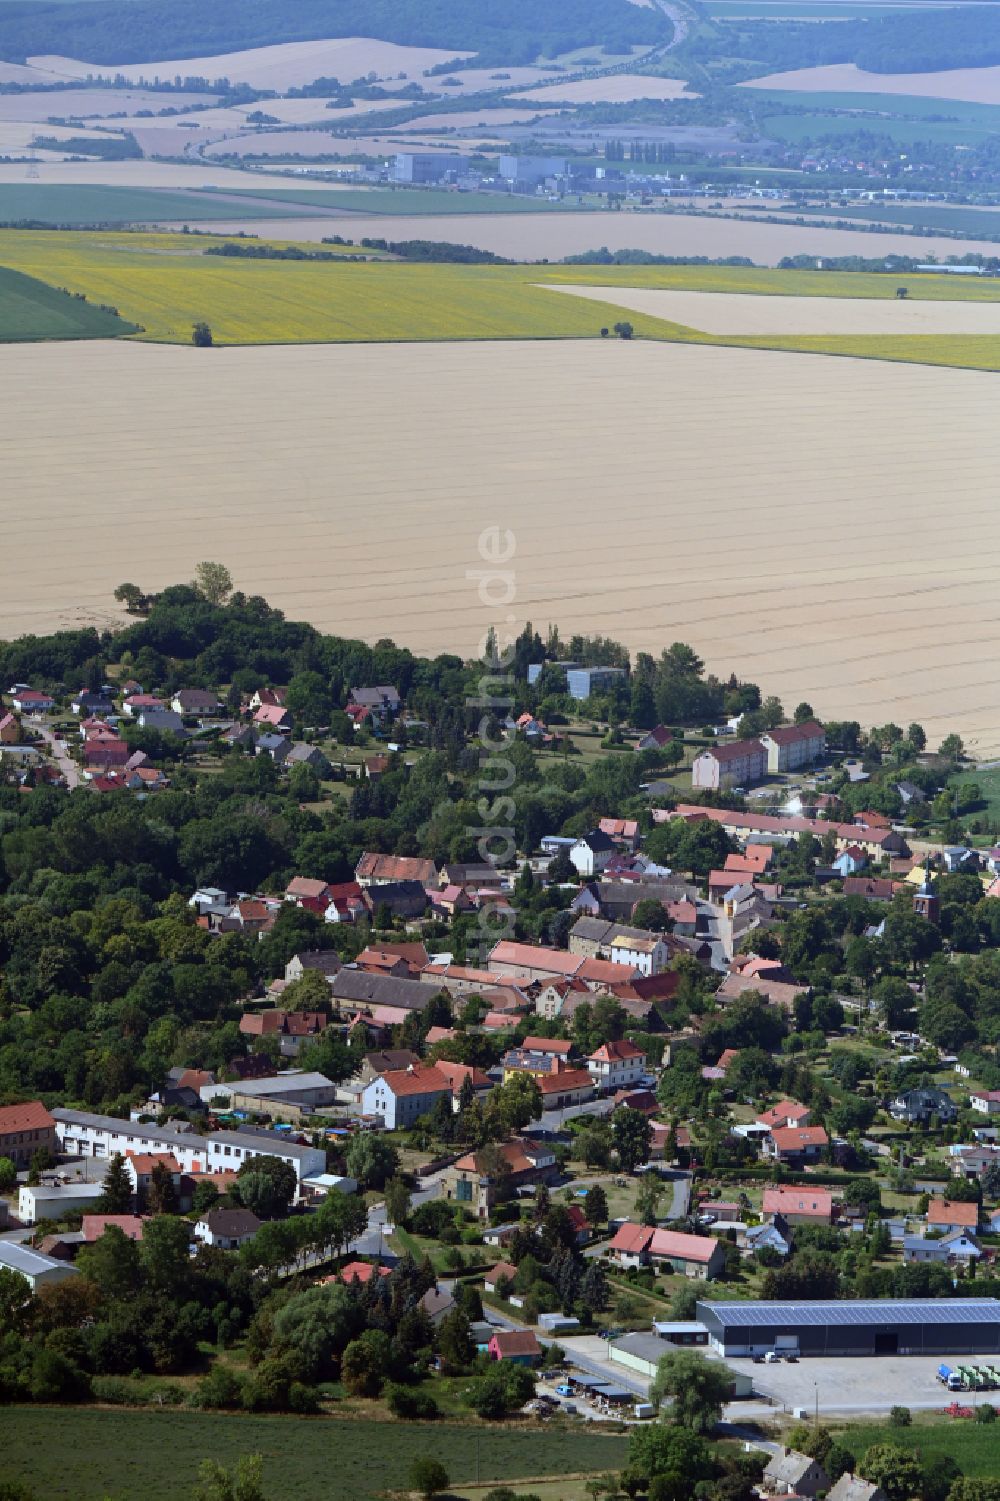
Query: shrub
(428, 1476)
(899, 1417)
(413, 1404)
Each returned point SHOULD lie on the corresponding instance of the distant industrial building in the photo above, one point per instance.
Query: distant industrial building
(529, 171)
(925, 1326)
(426, 166)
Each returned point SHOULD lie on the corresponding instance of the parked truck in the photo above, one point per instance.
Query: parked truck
(949, 1378)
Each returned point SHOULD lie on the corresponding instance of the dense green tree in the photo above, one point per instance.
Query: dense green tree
(698, 1388)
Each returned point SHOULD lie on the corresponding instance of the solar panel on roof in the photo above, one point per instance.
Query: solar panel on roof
(904, 1311)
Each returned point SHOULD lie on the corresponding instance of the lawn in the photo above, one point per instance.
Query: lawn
(70, 1454)
(988, 782)
(30, 310)
(165, 283)
(975, 1447)
(979, 224)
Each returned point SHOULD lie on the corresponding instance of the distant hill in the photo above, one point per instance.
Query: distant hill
(499, 31)
(912, 41)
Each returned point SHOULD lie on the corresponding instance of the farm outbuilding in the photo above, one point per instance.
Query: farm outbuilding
(927, 1326)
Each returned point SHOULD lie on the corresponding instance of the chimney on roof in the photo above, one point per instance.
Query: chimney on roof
(554, 1064)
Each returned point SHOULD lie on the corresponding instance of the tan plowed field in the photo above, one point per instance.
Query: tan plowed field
(735, 313)
(826, 527)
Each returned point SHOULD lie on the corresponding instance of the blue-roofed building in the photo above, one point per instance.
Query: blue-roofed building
(922, 1326)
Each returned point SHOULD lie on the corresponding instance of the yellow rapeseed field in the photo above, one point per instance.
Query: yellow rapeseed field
(165, 283)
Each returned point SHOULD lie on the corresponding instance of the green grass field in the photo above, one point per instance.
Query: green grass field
(988, 782)
(165, 283)
(908, 106)
(815, 125)
(30, 310)
(975, 1447)
(69, 204)
(978, 223)
(70, 1454)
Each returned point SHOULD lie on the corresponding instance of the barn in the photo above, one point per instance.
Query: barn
(924, 1326)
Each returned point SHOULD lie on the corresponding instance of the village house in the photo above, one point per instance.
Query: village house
(616, 1065)
(696, 1256)
(591, 853)
(537, 1055)
(785, 1113)
(850, 861)
(195, 701)
(564, 1087)
(402, 1096)
(852, 1488)
(227, 1229)
(741, 763)
(624, 831)
(458, 1074)
(10, 729)
(986, 1101)
(93, 1226)
(796, 1144)
(793, 745)
(32, 701)
(24, 1130)
(798, 1206)
(273, 719)
(957, 1246)
(487, 1177)
(346, 903)
(638, 949)
(269, 697)
(308, 893)
(790, 1473)
(920, 1106)
(948, 1216)
(517, 1346)
(377, 870)
(504, 1271)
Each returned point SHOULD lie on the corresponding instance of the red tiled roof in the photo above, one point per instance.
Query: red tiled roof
(373, 866)
(306, 886)
(815, 1202)
(568, 1079)
(785, 1110)
(632, 1239)
(515, 1342)
(31, 1116)
(559, 1045)
(684, 1247)
(791, 734)
(94, 1225)
(418, 1080)
(502, 1269)
(735, 750)
(621, 1049)
(949, 1212)
(797, 1138)
(360, 1271)
(144, 1162)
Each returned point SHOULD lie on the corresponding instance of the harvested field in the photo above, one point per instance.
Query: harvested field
(717, 496)
(287, 65)
(974, 85)
(91, 104)
(531, 237)
(618, 88)
(729, 313)
(138, 174)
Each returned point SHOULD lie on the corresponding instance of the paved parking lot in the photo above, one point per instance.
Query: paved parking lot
(856, 1384)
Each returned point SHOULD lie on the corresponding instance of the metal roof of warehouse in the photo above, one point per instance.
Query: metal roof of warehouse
(884, 1311)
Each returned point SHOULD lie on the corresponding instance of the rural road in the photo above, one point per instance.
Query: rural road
(59, 751)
